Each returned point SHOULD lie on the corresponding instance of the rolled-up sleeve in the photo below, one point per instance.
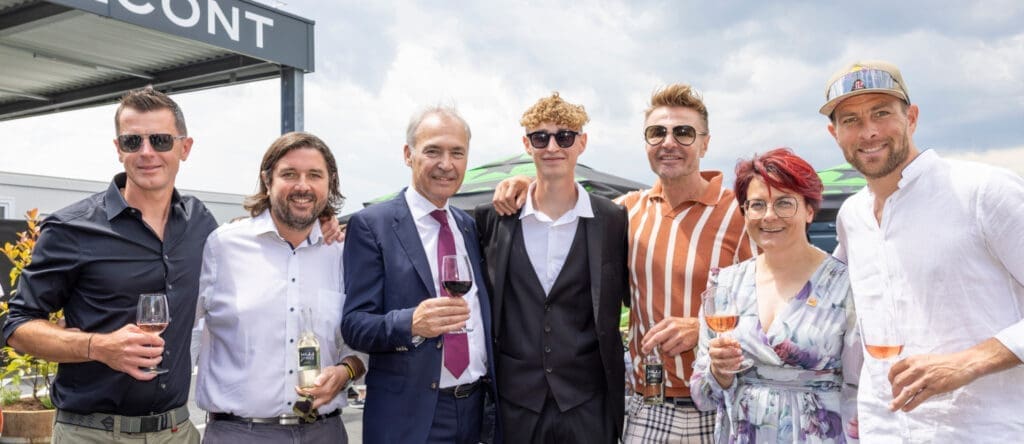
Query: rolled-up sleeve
(44, 285)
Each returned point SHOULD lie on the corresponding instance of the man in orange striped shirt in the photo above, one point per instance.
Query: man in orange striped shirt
(686, 224)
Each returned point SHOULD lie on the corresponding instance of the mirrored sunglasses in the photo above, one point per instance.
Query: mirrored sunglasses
(131, 143)
(871, 79)
(683, 134)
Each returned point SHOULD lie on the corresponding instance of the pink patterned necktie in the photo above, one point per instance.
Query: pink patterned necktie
(456, 345)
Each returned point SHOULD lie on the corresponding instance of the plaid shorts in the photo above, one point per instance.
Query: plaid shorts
(675, 421)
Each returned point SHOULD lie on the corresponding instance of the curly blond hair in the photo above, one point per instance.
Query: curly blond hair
(678, 94)
(555, 110)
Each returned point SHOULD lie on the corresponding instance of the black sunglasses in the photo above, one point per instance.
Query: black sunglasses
(684, 134)
(564, 138)
(303, 408)
(131, 143)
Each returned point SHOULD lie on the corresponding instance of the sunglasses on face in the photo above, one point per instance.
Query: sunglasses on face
(131, 143)
(684, 134)
(564, 138)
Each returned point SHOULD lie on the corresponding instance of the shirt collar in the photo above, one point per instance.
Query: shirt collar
(923, 162)
(582, 208)
(114, 202)
(263, 224)
(711, 194)
(419, 206)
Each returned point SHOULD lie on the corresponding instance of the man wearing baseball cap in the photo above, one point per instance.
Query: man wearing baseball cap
(937, 244)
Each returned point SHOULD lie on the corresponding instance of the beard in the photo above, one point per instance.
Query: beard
(896, 157)
(284, 213)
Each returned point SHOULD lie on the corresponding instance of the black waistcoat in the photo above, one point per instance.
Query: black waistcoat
(548, 345)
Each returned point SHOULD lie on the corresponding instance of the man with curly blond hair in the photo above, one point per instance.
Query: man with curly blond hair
(680, 229)
(557, 273)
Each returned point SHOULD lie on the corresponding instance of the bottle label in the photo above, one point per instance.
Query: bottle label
(309, 357)
(653, 374)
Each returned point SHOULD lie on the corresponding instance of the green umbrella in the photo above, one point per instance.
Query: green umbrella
(479, 183)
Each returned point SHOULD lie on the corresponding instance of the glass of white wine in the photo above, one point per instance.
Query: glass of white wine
(152, 317)
(722, 316)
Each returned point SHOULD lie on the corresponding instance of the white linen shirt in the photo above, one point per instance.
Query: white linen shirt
(251, 292)
(548, 241)
(950, 252)
(428, 227)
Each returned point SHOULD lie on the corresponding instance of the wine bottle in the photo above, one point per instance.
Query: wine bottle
(309, 351)
(654, 378)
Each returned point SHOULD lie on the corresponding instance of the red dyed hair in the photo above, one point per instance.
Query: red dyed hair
(779, 168)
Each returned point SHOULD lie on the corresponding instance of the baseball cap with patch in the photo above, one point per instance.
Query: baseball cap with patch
(865, 77)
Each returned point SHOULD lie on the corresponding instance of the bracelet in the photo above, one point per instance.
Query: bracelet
(348, 368)
(88, 347)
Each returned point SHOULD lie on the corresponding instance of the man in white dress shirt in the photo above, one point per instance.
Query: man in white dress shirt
(557, 273)
(938, 243)
(258, 275)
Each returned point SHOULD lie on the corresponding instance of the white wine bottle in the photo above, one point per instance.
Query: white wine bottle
(654, 378)
(309, 351)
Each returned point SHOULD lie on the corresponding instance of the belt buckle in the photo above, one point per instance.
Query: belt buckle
(288, 420)
(462, 391)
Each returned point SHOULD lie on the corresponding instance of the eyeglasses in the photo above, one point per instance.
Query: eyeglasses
(864, 79)
(564, 138)
(684, 134)
(784, 207)
(131, 143)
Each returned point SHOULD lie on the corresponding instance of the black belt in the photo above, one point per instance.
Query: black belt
(681, 401)
(279, 420)
(462, 390)
(129, 424)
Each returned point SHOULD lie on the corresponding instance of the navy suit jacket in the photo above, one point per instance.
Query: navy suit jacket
(386, 276)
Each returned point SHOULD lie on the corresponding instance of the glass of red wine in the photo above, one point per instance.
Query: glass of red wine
(152, 317)
(457, 278)
(722, 316)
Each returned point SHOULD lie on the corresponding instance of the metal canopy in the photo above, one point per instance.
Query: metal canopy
(60, 55)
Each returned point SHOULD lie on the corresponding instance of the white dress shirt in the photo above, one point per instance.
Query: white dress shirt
(548, 241)
(251, 292)
(428, 228)
(950, 252)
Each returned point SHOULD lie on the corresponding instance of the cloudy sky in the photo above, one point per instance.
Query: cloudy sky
(760, 65)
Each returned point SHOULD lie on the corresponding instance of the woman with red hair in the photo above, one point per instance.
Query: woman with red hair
(796, 320)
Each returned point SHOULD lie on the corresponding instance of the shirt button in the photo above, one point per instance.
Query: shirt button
(291, 371)
(170, 287)
(548, 370)
(293, 279)
(547, 349)
(163, 386)
(438, 345)
(547, 329)
(289, 403)
(291, 340)
(291, 309)
(433, 386)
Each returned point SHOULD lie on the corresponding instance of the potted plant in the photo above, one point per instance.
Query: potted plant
(26, 416)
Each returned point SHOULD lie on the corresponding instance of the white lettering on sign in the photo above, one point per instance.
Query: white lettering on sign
(260, 21)
(137, 9)
(215, 14)
(183, 22)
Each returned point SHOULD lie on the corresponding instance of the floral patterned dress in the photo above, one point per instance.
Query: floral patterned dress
(803, 385)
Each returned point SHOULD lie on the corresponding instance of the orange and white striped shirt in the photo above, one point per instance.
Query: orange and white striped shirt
(671, 251)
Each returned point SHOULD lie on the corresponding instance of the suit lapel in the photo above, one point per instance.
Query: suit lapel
(595, 242)
(409, 237)
(503, 247)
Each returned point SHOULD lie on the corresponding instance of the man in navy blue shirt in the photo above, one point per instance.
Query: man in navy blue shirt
(93, 259)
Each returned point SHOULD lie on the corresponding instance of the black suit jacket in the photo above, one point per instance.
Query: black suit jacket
(607, 234)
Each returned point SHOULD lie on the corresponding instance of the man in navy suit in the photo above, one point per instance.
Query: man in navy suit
(425, 383)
